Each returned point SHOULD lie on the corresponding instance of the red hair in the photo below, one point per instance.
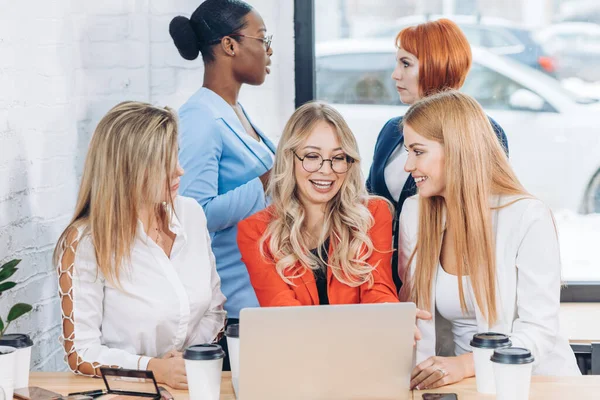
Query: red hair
(443, 52)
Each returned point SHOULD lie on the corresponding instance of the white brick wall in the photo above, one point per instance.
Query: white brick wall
(63, 64)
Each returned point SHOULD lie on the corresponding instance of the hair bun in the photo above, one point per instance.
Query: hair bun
(184, 37)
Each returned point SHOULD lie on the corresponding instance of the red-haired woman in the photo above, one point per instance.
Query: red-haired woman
(431, 57)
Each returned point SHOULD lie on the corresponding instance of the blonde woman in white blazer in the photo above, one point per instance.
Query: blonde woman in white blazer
(475, 248)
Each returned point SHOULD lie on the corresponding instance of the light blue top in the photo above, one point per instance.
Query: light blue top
(222, 164)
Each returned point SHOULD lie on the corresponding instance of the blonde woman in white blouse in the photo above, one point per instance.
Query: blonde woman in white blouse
(475, 246)
(137, 276)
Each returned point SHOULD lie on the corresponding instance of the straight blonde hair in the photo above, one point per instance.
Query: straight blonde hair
(347, 217)
(128, 167)
(476, 167)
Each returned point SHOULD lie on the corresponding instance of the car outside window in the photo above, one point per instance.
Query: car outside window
(499, 38)
(491, 89)
(361, 78)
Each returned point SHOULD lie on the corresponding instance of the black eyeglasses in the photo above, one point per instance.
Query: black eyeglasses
(312, 162)
(266, 40)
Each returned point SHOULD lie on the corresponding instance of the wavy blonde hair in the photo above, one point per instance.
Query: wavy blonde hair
(132, 154)
(476, 167)
(347, 217)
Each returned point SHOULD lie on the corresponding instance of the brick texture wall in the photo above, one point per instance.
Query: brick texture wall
(63, 64)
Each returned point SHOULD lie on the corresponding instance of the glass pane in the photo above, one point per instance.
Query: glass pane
(536, 71)
(474, 35)
(356, 79)
(497, 38)
(493, 90)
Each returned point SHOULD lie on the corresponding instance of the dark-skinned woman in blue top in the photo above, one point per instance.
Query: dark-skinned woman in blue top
(431, 57)
(227, 158)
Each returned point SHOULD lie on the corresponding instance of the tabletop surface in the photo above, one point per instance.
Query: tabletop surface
(542, 388)
(67, 382)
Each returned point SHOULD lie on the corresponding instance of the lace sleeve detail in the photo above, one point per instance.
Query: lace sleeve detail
(65, 291)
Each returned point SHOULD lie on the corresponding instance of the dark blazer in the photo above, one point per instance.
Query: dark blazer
(389, 138)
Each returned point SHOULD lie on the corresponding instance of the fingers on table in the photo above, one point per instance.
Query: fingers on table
(435, 379)
(181, 386)
(422, 366)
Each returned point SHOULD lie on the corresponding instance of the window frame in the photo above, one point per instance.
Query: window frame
(305, 84)
(304, 55)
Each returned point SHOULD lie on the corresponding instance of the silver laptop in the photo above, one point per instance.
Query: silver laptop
(349, 352)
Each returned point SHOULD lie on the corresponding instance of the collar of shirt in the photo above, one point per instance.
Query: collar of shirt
(222, 109)
(175, 226)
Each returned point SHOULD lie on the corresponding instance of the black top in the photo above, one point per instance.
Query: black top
(389, 138)
(321, 273)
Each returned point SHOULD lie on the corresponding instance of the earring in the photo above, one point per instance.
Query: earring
(232, 53)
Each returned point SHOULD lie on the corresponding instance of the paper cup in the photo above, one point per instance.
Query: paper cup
(7, 371)
(483, 346)
(512, 372)
(203, 365)
(233, 345)
(23, 345)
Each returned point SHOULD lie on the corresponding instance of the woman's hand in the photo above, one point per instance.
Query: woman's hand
(264, 179)
(170, 370)
(440, 371)
(171, 354)
(424, 315)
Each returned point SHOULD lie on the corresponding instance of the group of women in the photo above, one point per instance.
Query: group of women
(183, 220)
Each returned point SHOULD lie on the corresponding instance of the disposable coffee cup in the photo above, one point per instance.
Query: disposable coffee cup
(203, 364)
(23, 344)
(7, 371)
(232, 333)
(512, 373)
(483, 346)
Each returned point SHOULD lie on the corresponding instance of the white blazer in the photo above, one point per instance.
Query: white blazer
(528, 280)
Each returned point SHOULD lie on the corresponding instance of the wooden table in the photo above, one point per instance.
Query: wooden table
(542, 388)
(66, 382)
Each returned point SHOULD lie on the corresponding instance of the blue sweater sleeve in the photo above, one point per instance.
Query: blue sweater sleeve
(201, 146)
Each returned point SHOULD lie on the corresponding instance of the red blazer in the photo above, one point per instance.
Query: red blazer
(272, 291)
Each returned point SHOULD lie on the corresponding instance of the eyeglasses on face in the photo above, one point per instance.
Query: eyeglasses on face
(266, 40)
(312, 162)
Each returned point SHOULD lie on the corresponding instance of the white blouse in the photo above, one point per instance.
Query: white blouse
(166, 303)
(447, 303)
(394, 174)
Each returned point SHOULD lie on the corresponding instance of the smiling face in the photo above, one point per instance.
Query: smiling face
(319, 187)
(426, 163)
(406, 76)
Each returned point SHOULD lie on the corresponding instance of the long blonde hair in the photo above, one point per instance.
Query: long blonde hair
(347, 217)
(476, 167)
(131, 156)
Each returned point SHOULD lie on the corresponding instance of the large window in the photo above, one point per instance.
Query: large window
(358, 78)
(534, 72)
